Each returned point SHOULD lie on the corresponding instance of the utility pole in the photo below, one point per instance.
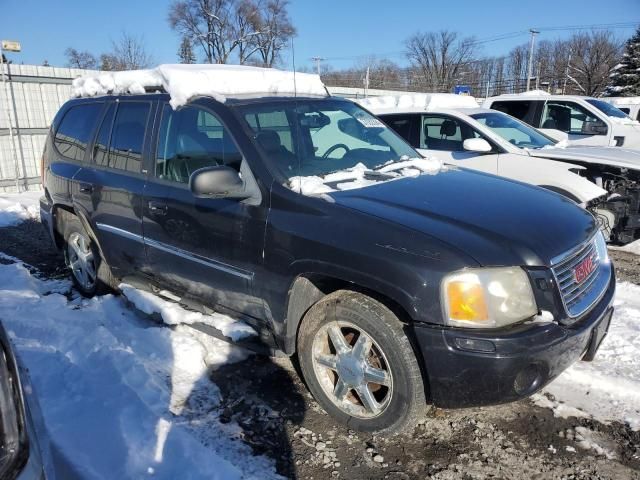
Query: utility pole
(366, 84)
(533, 38)
(318, 60)
(10, 46)
(566, 73)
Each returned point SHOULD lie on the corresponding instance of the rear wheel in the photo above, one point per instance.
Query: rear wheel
(89, 272)
(359, 364)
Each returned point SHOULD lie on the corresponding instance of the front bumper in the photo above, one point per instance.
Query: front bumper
(466, 368)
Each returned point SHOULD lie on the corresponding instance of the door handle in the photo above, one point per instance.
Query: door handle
(86, 188)
(158, 208)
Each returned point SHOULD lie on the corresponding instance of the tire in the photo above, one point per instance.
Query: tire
(345, 384)
(90, 274)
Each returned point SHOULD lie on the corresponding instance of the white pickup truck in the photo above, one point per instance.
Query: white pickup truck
(454, 129)
(586, 121)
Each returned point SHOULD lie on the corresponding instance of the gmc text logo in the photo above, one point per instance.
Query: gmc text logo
(583, 269)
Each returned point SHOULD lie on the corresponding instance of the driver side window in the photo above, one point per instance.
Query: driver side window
(445, 133)
(568, 117)
(191, 138)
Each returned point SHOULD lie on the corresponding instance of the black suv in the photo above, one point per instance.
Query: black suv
(395, 283)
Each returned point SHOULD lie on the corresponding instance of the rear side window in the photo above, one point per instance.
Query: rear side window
(522, 110)
(127, 136)
(100, 153)
(407, 126)
(75, 129)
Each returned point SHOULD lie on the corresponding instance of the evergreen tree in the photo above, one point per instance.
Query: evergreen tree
(625, 78)
(186, 51)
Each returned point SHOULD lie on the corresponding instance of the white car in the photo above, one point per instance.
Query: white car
(586, 121)
(454, 129)
(628, 105)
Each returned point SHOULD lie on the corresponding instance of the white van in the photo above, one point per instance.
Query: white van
(586, 121)
(629, 105)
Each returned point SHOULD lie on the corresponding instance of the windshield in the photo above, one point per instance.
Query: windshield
(608, 109)
(513, 131)
(314, 138)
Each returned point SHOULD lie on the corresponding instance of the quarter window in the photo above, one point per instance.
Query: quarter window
(127, 137)
(75, 129)
(192, 138)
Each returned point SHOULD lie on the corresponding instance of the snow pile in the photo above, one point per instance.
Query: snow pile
(122, 397)
(418, 101)
(535, 93)
(183, 82)
(633, 247)
(608, 388)
(174, 314)
(360, 176)
(18, 207)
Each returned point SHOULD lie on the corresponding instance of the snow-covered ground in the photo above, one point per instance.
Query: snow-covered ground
(633, 247)
(121, 396)
(608, 388)
(17, 207)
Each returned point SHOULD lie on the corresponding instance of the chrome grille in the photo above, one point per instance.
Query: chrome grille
(579, 296)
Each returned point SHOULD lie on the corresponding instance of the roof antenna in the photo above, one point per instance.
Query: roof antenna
(293, 60)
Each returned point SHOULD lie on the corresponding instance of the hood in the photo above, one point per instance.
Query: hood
(613, 156)
(496, 221)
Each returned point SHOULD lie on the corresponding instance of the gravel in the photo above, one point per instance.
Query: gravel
(279, 418)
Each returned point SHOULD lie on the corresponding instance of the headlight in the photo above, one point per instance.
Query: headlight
(487, 297)
(601, 248)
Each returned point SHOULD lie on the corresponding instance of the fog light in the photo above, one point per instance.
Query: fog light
(475, 345)
(528, 380)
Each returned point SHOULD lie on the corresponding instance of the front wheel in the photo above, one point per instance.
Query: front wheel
(359, 364)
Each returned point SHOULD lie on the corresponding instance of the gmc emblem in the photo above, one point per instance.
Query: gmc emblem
(583, 269)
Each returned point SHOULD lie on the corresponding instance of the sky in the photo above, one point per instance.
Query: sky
(341, 31)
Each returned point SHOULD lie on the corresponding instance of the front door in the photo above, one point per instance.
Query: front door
(576, 121)
(208, 248)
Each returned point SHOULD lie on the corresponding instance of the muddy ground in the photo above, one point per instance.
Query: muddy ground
(280, 419)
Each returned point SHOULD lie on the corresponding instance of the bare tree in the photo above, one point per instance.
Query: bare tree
(78, 59)
(593, 57)
(440, 57)
(130, 52)
(275, 31)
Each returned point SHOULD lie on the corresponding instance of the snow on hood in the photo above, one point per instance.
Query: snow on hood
(184, 82)
(421, 101)
(617, 157)
(356, 176)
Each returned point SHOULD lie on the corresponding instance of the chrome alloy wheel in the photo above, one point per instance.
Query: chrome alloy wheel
(81, 260)
(352, 369)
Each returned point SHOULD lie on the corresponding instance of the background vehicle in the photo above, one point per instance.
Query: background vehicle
(496, 143)
(311, 220)
(628, 105)
(24, 447)
(587, 121)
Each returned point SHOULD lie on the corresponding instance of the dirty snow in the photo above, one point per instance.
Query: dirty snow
(633, 247)
(608, 388)
(174, 314)
(17, 207)
(419, 101)
(183, 82)
(123, 397)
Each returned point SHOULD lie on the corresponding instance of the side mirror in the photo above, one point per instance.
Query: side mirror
(217, 182)
(479, 145)
(594, 128)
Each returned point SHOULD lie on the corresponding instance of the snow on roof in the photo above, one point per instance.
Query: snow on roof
(418, 101)
(184, 82)
(535, 93)
(622, 100)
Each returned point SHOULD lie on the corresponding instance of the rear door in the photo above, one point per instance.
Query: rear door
(205, 247)
(442, 136)
(113, 186)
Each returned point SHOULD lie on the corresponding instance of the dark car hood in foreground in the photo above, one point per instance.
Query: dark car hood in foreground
(494, 220)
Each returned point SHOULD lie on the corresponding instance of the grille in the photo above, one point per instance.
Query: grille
(578, 296)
